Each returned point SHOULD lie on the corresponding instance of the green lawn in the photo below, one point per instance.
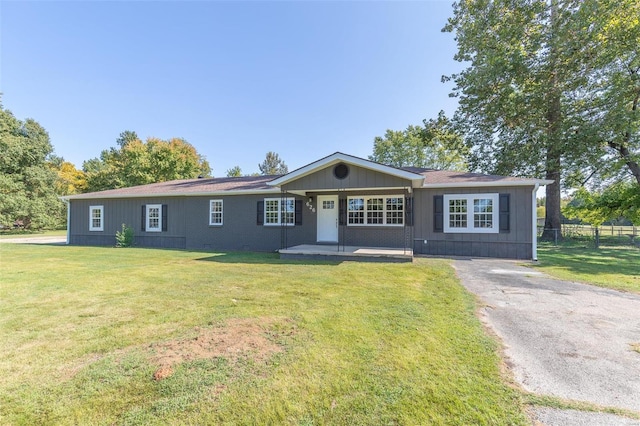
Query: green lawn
(612, 267)
(242, 338)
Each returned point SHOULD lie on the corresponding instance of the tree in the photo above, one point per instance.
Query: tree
(27, 183)
(235, 171)
(611, 60)
(620, 200)
(522, 97)
(126, 137)
(437, 146)
(139, 163)
(273, 165)
(70, 180)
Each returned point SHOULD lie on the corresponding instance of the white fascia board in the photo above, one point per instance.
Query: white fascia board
(175, 194)
(540, 182)
(339, 157)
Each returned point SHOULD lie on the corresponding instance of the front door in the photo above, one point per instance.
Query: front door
(327, 218)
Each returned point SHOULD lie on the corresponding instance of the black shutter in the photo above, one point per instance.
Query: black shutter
(143, 224)
(164, 217)
(438, 213)
(342, 204)
(260, 214)
(504, 212)
(298, 212)
(408, 211)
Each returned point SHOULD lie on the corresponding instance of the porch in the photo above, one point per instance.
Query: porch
(345, 253)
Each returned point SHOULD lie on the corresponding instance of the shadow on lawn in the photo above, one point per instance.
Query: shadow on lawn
(260, 258)
(623, 261)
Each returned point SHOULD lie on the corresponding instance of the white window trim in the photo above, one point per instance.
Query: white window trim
(384, 210)
(281, 201)
(211, 203)
(147, 218)
(96, 228)
(469, 229)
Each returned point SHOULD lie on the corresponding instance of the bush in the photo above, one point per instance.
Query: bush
(124, 238)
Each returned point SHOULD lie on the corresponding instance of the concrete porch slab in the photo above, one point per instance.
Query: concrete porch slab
(344, 253)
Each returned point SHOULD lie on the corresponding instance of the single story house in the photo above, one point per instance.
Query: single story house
(339, 200)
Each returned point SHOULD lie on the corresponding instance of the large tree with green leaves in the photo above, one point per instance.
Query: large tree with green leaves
(437, 145)
(551, 87)
(273, 165)
(514, 103)
(136, 162)
(610, 59)
(27, 182)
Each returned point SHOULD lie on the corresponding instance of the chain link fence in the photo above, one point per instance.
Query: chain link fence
(609, 235)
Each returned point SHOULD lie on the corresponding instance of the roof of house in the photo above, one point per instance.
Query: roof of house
(420, 177)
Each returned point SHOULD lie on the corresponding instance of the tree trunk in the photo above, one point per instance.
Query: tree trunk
(552, 221)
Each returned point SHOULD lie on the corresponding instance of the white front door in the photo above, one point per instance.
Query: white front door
(327, 218)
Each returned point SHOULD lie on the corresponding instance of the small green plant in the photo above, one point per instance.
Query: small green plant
(124, 238)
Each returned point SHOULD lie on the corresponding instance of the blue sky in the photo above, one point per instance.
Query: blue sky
(235, 79)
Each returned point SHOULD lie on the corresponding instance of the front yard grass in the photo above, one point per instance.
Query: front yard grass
(612, 267)
(140, 336)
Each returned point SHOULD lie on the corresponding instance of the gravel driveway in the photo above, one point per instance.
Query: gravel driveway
(34, 240)
(561, 338)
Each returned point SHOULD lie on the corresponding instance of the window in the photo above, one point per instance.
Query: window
(328, 205)
(279, 211)
(215, 212)
(154, 218)
(375, 210)
(96, 218)
(471, 213)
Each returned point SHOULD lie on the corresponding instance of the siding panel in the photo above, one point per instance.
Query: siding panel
(513, 244)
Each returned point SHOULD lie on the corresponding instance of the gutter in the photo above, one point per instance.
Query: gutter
(534, 224)
(68, 203)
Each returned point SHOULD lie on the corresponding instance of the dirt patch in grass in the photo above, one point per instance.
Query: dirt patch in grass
(254, 338)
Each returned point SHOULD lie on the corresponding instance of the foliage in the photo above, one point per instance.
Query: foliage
(70, 180)
(27, 183)
(273, 165)
(620, 200)
(551, 87)
(139, 163)
(235, 171)
(611, 98)
(399, 345)
(124, 238)
(437, 145)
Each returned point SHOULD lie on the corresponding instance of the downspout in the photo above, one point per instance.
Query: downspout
(68, 203)
(534, 223)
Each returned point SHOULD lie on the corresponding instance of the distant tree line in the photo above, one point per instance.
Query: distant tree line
(32, 177)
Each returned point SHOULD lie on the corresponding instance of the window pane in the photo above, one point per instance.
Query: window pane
(153, 215)
(395, 210)
(271, 211)
(216, 212)
(288, 211)
(458, 213)
(356, 211)
(483, 213)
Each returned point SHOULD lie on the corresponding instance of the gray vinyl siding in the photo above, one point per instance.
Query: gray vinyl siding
(127, 211)
(517, 243)
(240, 230)
(358, 177)
(188, 224)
